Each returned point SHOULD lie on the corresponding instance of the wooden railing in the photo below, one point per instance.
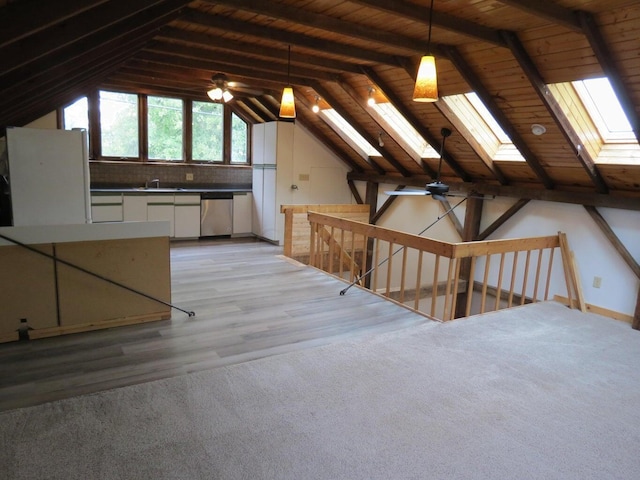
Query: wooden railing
(297, 229)
(436, 278)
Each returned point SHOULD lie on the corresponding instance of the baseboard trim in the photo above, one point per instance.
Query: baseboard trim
(595, 309)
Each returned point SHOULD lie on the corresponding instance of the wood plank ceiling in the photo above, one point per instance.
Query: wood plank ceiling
(506, 51)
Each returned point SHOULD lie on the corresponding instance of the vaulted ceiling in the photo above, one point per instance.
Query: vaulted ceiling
(507, 51)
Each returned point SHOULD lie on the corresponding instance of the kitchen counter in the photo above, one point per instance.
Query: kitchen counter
(145, 190)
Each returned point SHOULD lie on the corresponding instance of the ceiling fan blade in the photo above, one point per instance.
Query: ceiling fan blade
(408, 193)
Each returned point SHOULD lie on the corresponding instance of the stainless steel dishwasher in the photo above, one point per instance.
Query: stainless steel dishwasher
(216, 214)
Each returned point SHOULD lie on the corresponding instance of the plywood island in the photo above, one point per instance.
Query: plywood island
(45, 295)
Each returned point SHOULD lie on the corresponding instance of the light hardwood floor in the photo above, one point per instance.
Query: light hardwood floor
(250, 302)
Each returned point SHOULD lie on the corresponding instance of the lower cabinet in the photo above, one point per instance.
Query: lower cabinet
(106, 208)
(161, 208)
(187, 216)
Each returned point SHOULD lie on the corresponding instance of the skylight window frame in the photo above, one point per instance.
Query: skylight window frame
(473, 116)
(349, 134)
(597, 109)
(396, 122)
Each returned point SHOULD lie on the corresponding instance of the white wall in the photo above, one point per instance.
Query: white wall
(319, 175)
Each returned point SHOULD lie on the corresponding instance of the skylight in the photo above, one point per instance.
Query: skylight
(602, 104)
(472, 116)
(349, 134)
(403, 128)
(594, 111)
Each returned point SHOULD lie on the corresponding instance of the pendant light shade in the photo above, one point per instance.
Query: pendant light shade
(426, 89)
(288, 103)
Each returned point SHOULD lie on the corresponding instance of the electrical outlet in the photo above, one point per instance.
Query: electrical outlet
(597, 282)
(189, 176)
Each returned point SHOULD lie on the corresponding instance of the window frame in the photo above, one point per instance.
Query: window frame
(95, 131)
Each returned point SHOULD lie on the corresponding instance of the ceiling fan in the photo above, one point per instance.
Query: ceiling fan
(436, 189)
(224, 90)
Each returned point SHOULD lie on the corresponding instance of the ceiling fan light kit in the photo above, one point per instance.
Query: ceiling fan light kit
(426, 87)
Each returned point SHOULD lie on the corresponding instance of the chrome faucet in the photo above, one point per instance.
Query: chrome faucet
(150, 183)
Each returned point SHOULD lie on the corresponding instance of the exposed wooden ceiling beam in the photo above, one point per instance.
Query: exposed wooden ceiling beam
(554, 108)
(284, 37)
(259, 76)
(614, 240)
(134, 30)
(327, 23)
(75, 30)
(557, 195)
(478, 87)
(448, 22)
(413, 120)
(607, 61)
(548, 10)
(20, 19)
(510, 212)
(215, 44)
(204, 55)
(338, 107)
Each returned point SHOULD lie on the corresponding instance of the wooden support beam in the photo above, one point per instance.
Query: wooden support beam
(20, 19)
(614, 240)
(472, 220)
(227, 24)
(515, 208)
(216, 43)
(443, 20)
(626, 202)
(355, 192)
(327, 23)
(487, 99)
(612, 71)
(574, 141)
(371, 198)
(549, 11)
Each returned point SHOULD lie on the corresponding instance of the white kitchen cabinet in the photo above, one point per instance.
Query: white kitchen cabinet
(272, 178)
(187, 216)
(160, 207)
(106, 207)
(134, 207)
(242, 213)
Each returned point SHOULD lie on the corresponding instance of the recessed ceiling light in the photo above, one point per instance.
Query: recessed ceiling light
(538, 129)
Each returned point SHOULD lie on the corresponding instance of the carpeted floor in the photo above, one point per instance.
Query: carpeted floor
(536, 392)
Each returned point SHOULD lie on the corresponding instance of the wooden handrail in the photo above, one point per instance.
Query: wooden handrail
(439, 262)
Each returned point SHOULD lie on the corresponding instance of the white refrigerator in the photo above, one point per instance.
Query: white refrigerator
(48, 176)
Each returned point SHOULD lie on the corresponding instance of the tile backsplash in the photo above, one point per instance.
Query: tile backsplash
(126, 174)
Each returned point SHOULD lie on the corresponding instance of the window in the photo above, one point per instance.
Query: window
(594, 111)
(349, 134)
(239, 140)
(76, 115)
(165, 119)
(602, 104)
(477, 121)
(119, 124)
(403, 128)
(208, 131)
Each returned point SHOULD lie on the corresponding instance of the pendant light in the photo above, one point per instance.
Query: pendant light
(287, 104)
(426, 88)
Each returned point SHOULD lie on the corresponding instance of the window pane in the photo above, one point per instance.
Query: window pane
(165, 128)
(238, 140)
(76, 115)
(119, 124)
(207, 127)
